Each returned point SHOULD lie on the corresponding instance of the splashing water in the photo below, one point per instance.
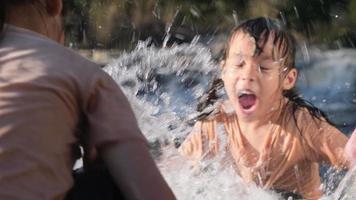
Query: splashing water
(163, 85)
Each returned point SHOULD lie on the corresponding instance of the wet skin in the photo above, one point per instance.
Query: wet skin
(254, 83)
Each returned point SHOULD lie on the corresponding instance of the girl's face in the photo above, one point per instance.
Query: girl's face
(254, 83)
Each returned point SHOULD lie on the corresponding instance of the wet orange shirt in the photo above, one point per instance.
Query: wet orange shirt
(289, 158)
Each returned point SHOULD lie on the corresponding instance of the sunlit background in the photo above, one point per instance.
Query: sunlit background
(103, 29)
(163, 54)
(118, 24)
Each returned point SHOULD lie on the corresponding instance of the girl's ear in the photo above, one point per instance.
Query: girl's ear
(54, 7)
(222, 64)
(290, 79)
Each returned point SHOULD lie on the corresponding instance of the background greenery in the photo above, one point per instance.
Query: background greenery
(120, 24)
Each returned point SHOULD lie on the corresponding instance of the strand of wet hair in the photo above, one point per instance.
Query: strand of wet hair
(298, 102)
(208, 99)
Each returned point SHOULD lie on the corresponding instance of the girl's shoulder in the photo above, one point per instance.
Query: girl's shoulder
(306, 117)
(306, 122)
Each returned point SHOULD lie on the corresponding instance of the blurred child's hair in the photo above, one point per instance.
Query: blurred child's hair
(4, 5)
(284, 50)
(2, 15)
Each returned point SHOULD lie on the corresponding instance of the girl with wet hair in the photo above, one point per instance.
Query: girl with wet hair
(275, 138)
(51, 101)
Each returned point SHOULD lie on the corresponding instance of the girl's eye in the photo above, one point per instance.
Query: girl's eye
(262, 68)
(239, 64)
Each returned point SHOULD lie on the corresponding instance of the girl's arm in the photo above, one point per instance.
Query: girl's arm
(350, 149)
(325, 142)
(192, 147)
(201, 142)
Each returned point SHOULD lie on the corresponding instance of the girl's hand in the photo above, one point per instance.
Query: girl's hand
(350, 149)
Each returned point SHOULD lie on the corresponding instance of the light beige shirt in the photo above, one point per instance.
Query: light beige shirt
(290, 154)
(49, 98)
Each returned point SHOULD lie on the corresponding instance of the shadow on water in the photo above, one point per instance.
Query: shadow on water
(163, 85)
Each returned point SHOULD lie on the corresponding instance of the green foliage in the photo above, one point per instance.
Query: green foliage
(119, 23)
(352, 11)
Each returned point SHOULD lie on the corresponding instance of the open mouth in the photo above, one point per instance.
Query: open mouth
(247, 99)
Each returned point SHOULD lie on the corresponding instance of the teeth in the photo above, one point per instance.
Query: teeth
(244, 92)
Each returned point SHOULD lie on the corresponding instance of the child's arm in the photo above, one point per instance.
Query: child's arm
(350, 149)
(201, 142)
(329, 144)
(325, 142)
(192, 147)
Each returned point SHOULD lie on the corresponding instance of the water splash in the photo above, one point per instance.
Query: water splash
(164, 82)
(296, 12)
(346, 189)
(169, 27)
(163, 85)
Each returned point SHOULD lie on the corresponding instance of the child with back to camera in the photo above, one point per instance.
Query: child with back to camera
(276, 139)
(52, 101)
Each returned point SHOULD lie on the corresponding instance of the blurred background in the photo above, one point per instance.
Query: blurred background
(325, 30)
(119, 24)
(164, 76)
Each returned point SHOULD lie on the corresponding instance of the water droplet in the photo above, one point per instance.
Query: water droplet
(347, 84)
(235, 17)
(296, 11)
(324, 101)
(305, 52)
(313, 98)
(350, 42)
(283, 17)
(194, 12)
(156, 11)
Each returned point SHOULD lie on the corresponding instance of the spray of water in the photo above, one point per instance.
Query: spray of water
(163, 85)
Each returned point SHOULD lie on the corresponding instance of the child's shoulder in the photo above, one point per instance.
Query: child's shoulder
(306, 115)
(304, 118)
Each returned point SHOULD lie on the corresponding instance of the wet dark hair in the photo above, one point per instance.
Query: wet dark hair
(2, 15)
(284, 48)
(4, 4)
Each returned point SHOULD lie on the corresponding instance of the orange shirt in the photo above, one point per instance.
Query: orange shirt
(289, 158)
(49, 98)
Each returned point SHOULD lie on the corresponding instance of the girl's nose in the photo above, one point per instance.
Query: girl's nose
(249, 73)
